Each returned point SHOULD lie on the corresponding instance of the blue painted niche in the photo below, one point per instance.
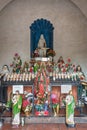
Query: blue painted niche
(38, 27)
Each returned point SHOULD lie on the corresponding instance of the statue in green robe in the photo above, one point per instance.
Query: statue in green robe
(16, 108)
(70, 106)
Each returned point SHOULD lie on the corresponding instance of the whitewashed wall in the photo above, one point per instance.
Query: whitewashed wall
(69, 34)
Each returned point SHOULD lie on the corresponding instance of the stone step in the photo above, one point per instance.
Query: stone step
(47, 119)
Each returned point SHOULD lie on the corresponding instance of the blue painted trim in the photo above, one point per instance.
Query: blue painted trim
(38, 27)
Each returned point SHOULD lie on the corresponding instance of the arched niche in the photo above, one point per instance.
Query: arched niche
(38, 27)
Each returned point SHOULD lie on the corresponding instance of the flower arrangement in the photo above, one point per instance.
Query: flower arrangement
(50, 52)
(16, 64)
(67, 67)
(70, 71)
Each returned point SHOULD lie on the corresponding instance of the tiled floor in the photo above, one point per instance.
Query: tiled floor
(54, 126)
(48, 123)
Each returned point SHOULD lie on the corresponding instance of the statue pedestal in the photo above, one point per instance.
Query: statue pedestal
(70, 125)
(42, 59)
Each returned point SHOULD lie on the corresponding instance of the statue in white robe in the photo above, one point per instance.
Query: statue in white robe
(42, 46)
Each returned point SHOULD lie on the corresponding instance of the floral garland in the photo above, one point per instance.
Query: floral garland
(67, 67)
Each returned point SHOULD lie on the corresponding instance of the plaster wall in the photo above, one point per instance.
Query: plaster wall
(70, 29)
(82, 4)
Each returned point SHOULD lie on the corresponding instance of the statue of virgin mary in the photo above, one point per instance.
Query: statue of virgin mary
(42, 46)
(42, 42)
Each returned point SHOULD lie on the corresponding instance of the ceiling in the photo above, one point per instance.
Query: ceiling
(82, 4)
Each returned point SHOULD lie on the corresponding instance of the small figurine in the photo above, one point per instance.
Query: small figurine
(36, 53)
(39, 106)
(36, 67)
(60, 61)
(25, 67)
(70, 106)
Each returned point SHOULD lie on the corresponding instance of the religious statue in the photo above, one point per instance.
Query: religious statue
(16, 108)
(60, 61)
(25, 67)
(70, 106)
(42, 42)
(41, 49)
(55, 104)
(27, 102)
(36, 67)
(4, 72)
(80, 73)
(41, 83)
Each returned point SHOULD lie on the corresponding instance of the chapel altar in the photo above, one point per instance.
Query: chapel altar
(45, 86)
(43, 83)
(57, 87)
